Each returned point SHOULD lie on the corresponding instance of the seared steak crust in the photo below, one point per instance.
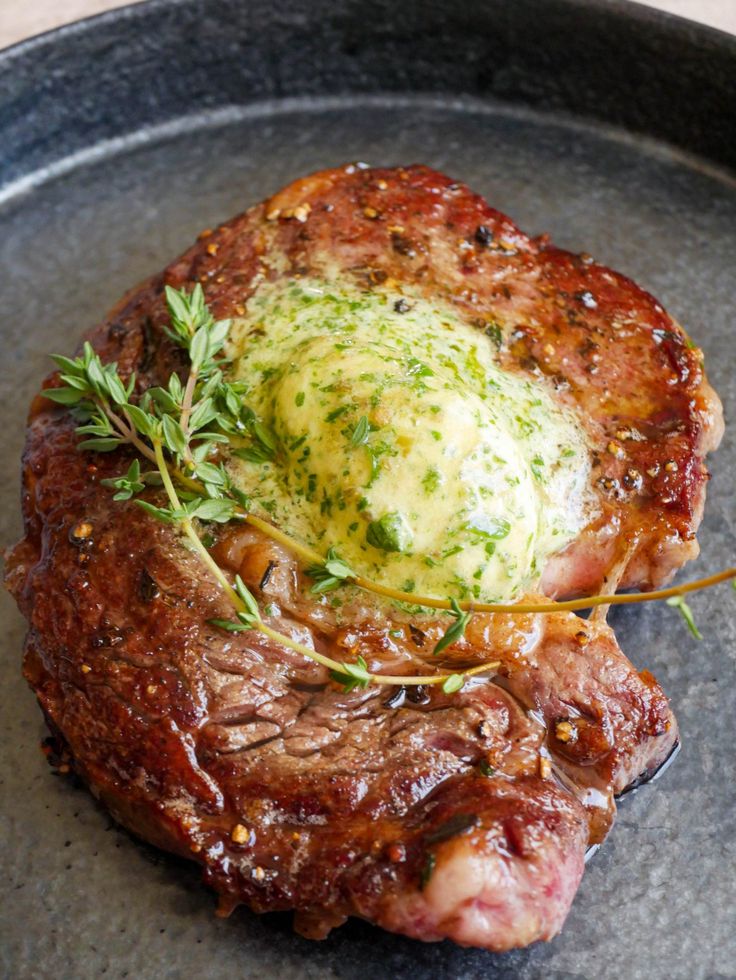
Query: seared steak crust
(465, 816)
(608, 347)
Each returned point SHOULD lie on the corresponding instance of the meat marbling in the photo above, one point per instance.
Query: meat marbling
(463, 816)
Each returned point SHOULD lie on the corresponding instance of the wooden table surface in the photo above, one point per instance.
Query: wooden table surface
(24, 18)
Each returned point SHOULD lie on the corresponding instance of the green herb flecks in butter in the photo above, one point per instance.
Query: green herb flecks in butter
(401, 443)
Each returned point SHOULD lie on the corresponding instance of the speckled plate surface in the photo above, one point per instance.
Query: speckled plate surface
(613, 128)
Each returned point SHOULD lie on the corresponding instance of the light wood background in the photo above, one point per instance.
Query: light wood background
(20, 19)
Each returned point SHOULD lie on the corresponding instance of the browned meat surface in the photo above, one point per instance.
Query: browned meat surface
(609, 347)
(295, 795)
(463, 816)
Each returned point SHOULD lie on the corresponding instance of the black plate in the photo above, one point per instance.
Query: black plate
(608, 125)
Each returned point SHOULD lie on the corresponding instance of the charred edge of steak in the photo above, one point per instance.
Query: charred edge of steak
(651, 775)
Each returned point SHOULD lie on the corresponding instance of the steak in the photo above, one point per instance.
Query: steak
(463, 816)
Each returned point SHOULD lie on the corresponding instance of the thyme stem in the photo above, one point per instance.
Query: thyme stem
(313, 557)
(391, 680)
(431, 602)
(126, 430)
(188, 529)
(186, 411)
(282, 638)
(281, 537)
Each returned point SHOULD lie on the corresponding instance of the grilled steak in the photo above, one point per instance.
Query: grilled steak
(435, 816)
(464, 816)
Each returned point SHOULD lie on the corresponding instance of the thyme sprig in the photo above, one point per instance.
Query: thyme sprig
(179, 428)
(182, 430)
(193, 327)
(249, 616)
(348, 675)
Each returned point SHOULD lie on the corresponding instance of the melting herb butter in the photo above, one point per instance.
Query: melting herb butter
(401, 442)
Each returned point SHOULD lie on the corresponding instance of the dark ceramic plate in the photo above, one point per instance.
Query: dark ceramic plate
(613, 128)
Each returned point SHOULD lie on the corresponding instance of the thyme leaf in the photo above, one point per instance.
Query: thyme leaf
(453, 683)
(264, 444)
(228, 625)
(350, 676)
(454, 632)
(251, 613)
(128, 485)
(330, 574)
(678, 602)
(163, 514)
